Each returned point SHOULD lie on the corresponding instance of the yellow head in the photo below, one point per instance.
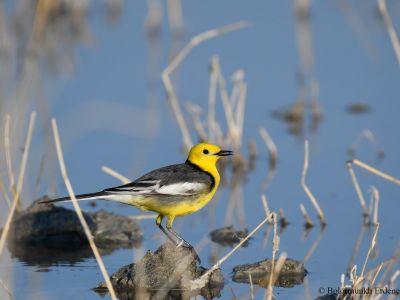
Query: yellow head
(206, 155)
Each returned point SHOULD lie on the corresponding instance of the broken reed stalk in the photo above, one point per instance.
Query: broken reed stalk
(4, 192)
(272, 149)
(212, 95)
(275, 273)
(7, 151)
(228, 109)
(309, 223)
(8, 291)
(374, 171)
(372, 246)
(175, 17)
(357, 189)
(171, 96)
(376, 274)
(78, 210)
(241, 104)
(265, 204)
(307, 190)
(115, 174)
(275, 248)
(356, 248)
(374, 192)
(391, 285)
(20, 182)
(195, 112)
(390, 28)
(251, 287)
(304, 36)
(388, 264)
(199, 283)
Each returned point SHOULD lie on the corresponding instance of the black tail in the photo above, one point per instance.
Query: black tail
(78, 197)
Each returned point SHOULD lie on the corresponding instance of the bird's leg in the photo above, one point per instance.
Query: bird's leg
(181, 241)
(158, 223)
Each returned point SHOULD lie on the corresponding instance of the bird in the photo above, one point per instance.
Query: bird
(171, 191)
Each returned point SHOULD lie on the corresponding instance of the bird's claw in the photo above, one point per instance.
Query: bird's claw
(190, 247)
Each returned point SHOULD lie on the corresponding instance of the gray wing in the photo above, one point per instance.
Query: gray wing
(180, 180)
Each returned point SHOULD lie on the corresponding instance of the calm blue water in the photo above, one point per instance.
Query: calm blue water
(112, 111)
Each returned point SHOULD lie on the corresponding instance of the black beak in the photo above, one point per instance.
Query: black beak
(224, 153)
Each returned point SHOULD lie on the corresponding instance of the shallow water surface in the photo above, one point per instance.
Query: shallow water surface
(112, 111)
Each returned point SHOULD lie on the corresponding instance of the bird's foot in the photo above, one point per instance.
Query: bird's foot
(186, 245)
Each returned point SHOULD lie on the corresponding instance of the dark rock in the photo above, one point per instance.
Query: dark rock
(115, 229)
(165, 274)
(291, 274)
(44, 234)
(228, 236)
(329, 297)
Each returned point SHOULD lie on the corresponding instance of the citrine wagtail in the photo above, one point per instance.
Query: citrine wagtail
(171, 191)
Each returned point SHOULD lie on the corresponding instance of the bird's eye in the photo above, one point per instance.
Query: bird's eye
(205, 151)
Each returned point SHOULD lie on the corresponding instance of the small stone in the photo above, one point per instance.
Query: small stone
(291, 274)
(228, 236)
(167, 271)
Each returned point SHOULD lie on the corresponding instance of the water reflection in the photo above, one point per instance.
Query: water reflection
(45, 235)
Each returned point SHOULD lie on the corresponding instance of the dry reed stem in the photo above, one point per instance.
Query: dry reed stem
(115, 174)
(278, 266)
(307, 190)
(7, 151)
(265, 204)
(376, 274)
(20, 182)
(388, 264)
(175, 16)
(4, 192)
(228, 109)
(374, 171)
(342, 281)
(153, 18)
(372, 246)
(251, 287)
(390, 28)
(195, 112)
(200, 282)
(275, 245)
(357, 188)
(241, 87)
(171, 96)
(375, 200)
(272, 149)
(306, 216)
(8, 291)
(212, 95)
(79, 211)
(303, 34)
(356, 248)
